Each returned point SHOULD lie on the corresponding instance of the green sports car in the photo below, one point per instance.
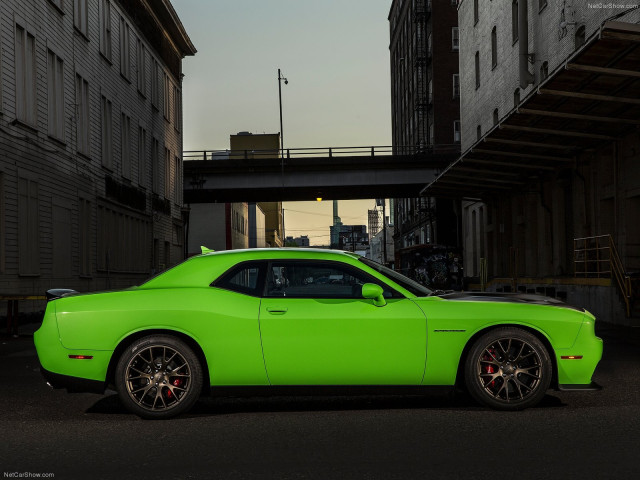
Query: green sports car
(280, 321)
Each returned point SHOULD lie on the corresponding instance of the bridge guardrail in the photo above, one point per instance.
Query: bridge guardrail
(329, 152)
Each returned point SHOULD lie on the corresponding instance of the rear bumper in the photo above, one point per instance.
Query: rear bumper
(72, 384)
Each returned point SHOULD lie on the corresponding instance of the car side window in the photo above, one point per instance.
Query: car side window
(243, 278)
(317, 280)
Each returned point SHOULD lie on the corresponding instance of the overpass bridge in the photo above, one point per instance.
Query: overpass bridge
(299, 174)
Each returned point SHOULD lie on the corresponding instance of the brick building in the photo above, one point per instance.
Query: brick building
(549, 172)
(90, 142)
(425, 116)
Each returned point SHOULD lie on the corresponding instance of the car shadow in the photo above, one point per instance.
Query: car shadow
(216, 406)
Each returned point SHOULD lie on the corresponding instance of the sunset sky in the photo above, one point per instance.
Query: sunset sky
(335, 54)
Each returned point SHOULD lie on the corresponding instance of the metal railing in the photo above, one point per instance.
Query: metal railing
(597, 257)
(328, 152)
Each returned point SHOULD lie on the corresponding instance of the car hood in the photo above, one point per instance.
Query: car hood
(507, 298)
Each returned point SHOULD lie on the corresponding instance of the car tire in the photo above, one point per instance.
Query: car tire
(158, 377)
(508, 368)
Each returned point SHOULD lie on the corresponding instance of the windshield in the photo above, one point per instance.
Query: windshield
(406, 283)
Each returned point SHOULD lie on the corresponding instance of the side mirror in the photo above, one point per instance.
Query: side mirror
(375, 292)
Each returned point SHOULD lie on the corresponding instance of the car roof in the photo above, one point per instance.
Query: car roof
(200, 270)
(281, 251)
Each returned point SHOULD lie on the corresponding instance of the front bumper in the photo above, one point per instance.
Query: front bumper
(577, 364)
(592, 387)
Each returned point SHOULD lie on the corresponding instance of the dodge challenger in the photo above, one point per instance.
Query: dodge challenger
(274, 321)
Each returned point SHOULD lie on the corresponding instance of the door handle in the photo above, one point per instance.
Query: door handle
(277, 310)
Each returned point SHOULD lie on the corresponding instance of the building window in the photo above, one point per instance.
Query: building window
(105, 28)
(125, 59)
(167, 254)
(541, 4)
(494, 48)
(475, 12)
(25, 76)
(455, 39)
(141, 64)
(516, 98)
(168, 186)
(177, 108)
(514, 21)
(456, 131)
(81, 16)
(28, 233)
(155, 85)
(2, 224)
(177, 184)
(496, 118)
(55, 95)
(1, 56)
(167, 97)
(478, 132)
(477, 70)
(178, 235)
(155, 167)
(123, 241)
(107, 133)
(580, 37)
(125, 129)
(544, 70)
(58, 4)
(84, 221)
(456, 85)
(142, 155)
(82, 115)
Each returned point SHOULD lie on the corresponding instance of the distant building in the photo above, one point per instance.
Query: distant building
(302, 241)
(256, 227)
(351, 237)
(425, 109)
(90, 143)
(376, 247)
(335, 229)
(239, 225)
(249, 145)
(219, 226)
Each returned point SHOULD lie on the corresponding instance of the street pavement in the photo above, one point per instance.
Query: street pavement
(570, 435)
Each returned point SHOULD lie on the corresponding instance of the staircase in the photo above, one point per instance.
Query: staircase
(597, 257)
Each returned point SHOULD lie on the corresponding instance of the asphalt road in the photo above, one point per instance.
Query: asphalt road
(570, 435)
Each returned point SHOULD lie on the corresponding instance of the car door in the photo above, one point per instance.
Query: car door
(317, 329)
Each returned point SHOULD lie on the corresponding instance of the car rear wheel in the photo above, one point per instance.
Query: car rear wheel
(508, 369)
(158, 377)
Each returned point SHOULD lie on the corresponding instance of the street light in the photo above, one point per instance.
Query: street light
(280, 78)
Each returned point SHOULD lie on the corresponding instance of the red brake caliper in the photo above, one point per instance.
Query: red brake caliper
(176, 383)
(488, 368)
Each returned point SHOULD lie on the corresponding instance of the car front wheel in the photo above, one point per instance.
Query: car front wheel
(508, 369)
(158, 377)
